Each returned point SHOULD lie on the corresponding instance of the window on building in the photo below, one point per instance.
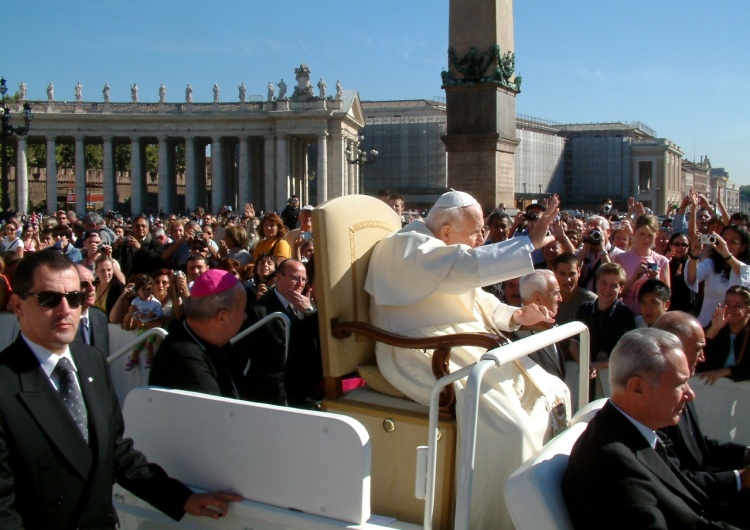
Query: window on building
(645, 173)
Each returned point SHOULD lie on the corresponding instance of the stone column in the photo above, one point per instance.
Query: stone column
(136, 177)
(80, 172)
(165, 192)
(322, 173)
(51, 176)
(191, 195)
(269, 188)
(22, 176)
(481, 118)
(243, 193)
(282, 172)
(217, 175)
(109, 186)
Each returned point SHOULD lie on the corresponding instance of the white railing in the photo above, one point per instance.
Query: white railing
(426, 456)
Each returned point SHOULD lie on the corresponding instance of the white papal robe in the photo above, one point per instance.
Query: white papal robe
(419, 287)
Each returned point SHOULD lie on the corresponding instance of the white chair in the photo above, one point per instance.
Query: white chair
(533, 493)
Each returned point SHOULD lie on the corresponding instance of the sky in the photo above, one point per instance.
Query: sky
(682, 67)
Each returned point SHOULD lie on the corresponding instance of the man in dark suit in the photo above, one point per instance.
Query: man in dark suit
(138, 253)
(196, 355)
(540, 287)
(94, 326)
(274, 377)
(695, 453)
(61, 444)
(619, 475)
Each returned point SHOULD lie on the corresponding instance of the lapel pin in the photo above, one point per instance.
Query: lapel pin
(91, 379)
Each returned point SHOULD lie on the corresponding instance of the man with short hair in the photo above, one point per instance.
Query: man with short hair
(94, 326)
(596, 250)
(396, 202)
(62, 235)
(540, 287)
(695, 452)
(196, 355)
(653, 299)
(499, 224)
(290, 212)
(61, 442)
(425, 280)
(271, 378)
(567, 272)
(138, 253)
(619, 475)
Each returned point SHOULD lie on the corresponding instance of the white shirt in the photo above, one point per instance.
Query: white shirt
(49, 360)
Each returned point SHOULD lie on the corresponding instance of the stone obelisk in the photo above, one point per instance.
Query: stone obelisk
(481, 87)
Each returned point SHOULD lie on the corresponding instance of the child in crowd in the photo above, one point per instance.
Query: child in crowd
(144, 308)
(607, 318)
(653, 299)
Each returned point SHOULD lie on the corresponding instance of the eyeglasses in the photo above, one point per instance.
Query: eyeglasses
(683, 245)
(88, 283)
(297, 279)
(53, 298)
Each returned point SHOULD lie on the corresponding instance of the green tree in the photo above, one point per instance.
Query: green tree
(93, 156)
(66, 156)
(745, 193)
(122, 157)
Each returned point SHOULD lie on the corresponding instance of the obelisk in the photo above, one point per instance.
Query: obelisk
(481, 87)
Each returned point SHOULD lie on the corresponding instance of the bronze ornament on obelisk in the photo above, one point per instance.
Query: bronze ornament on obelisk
(480, 88)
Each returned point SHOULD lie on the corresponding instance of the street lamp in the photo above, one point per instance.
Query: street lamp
(361, 158)
(6, 131)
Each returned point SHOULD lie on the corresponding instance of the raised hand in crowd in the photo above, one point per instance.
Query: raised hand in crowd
(538, 233)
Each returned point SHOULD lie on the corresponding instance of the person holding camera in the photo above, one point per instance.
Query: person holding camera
(596, 250)
(641, 262)
(726, 266)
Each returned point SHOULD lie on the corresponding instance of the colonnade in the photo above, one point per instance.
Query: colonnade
(257, 157)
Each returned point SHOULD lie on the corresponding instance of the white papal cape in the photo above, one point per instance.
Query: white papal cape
(422, 287)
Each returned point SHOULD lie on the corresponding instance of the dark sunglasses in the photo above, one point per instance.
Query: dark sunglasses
(53, 298)
(683, 245)
(87, 283)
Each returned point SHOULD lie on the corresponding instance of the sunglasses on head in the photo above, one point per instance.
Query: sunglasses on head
(53, 298)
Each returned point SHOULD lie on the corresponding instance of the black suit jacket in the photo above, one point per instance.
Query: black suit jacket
(50, 478)
(615, 480)
(184, 364)
(98, 331)
(145, 260)
(549, 357)
(272, 378)
(696, 451)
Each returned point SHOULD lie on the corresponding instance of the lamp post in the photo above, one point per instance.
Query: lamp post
(361, 158)
(5, 131)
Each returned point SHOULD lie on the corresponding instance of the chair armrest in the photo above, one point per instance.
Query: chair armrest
(441, 344)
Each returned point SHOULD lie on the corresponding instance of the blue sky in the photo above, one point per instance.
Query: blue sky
(680, 66)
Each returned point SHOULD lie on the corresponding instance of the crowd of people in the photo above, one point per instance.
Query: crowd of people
(205, 277)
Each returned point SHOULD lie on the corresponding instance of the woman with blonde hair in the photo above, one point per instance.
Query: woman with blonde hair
(641, 262)
(234, 245)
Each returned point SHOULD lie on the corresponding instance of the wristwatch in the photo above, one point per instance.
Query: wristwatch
(309, 311)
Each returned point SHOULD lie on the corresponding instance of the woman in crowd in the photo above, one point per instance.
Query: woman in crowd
(727, 338)
(682, 299)
(272, 242)
(230, 265)
(661, 243)
(234, 245)
(725, 266)
(11, 242)
(264, 269)
(621, 239)
(164, 293)
(641, 262)
(30, 238)
(108, 287)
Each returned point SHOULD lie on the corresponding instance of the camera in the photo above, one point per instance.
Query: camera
(652, 266)
(306, 236)
(616, 225)
(708, 239)
(595, 237)
(178, 274)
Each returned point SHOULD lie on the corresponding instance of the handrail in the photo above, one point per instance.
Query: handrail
(161, 332)
(475, 372)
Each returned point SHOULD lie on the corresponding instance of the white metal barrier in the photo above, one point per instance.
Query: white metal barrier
(425, 485)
